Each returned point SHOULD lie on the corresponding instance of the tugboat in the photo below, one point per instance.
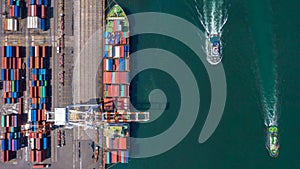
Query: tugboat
(213, 49)
(272, 143)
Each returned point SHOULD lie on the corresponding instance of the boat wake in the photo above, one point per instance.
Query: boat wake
(213, 17)
(270, 107)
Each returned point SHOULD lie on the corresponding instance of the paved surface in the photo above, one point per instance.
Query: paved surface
(65, 90)
(88, 50)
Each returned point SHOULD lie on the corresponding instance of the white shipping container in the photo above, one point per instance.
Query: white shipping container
(117, 51)
(33, 22)
(15, 24)
(29, 116)
(10, 24)
(107, 64)
(32, 10)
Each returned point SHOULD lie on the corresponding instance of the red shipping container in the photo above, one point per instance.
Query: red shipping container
(3, 154)
(43, 9)
(3, 51)
(122, 51)
(38, 143)
(19, 60)
(117, 64)
(32, 155)
(39, 155)
(14, 64)
(29, 10)
(127, 64)
(17, 51)
(12, 11)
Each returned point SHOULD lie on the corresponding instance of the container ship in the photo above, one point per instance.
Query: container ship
(213, 49)
(272, 143)
(116, 85)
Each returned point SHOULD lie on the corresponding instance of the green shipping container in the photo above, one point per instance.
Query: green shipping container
(13, 86)
(44, 91)
(2, 121)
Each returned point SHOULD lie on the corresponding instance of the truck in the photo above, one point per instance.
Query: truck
(41, 166)
(96, 154)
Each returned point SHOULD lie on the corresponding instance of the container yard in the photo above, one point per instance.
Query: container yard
(43, 124)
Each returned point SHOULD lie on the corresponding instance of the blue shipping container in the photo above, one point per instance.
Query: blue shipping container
(45, 143)
(17, 11)
(16, 121)
(31, 51)
(9, 144)
(12, 74)
(43, 24)
(4, 146)
(3, 74)
(46, 3)
(17, 86)
(122, 64)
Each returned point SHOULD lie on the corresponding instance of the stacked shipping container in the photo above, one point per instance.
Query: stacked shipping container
(38, 85)
(116, 67)
(11, 75)
(116, 157)
(37, 13)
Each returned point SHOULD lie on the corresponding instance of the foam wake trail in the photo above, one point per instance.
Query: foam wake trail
(213, 16)
(260, 20)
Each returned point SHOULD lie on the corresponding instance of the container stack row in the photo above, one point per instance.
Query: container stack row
(112, 157)
(37, 14)
(116, 37)
(11, 74)
(117, 64)
(38, 100)
(116, 51)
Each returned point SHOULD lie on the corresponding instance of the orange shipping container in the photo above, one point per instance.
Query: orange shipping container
(44, 51)
(42, 63)
(37, 62)
(31, 92)
(31, 62)
(19, 63)
(114, 156)
(4, 63)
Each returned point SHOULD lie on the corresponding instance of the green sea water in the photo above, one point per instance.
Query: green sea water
(260, 41)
